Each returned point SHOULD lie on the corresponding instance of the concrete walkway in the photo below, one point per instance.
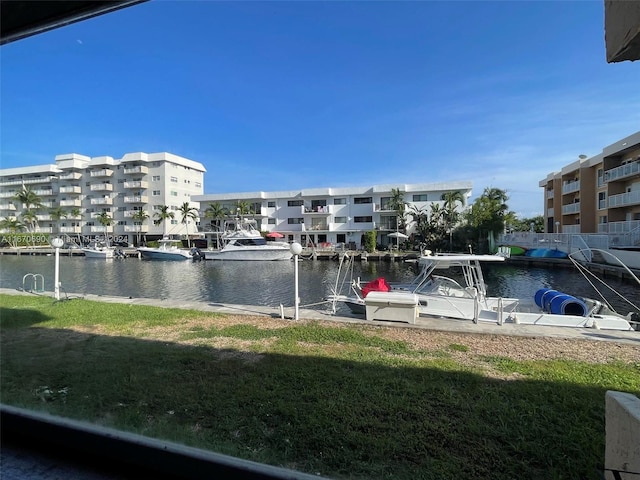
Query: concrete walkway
(438, 324)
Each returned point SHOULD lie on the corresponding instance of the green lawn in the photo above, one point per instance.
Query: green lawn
(341, 401)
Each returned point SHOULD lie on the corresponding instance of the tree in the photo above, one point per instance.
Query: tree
(216, 213)
(161, 216)
(187, 212)
(487, 215)
(57, 214)
(139, 218)
(13, 225)
(450, 214)
(31, 202)
(244, 208)
(397, 203)
(76, 213)
(105, 220)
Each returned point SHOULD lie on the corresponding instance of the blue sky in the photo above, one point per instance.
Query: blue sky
(300, 94)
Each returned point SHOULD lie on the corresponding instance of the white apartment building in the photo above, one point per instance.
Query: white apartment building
(331, 215)
(84, 187)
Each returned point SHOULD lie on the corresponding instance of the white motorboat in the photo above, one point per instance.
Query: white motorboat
(166, 250)
(443, 297)
(99, 249)
(246, 243)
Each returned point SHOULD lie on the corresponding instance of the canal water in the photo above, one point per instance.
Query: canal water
(267, 283)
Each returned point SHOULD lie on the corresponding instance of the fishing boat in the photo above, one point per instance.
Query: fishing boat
(442, 296)
(166, 250)
(247, 243)
(99, 249)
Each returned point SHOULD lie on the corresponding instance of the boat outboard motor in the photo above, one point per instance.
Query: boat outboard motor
(196, 254)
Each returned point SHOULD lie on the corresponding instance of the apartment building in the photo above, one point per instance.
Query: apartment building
(330, 215)
(84, 187)
(600, 194)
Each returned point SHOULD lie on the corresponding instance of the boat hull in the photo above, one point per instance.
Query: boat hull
(151, 254)
(241, 254)
(101, 253)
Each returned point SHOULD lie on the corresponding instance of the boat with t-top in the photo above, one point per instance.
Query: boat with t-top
(439, 296)
(99, 249)
(166, 250)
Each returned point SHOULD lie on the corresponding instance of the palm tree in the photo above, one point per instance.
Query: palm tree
(161, 216)
(451, 215)
(397, 203)
(13, 225)
(139, 218)
(57, 214)
(215, 212)
(244, 208)
(105, 220)
(188, 212)
(31, 202)
(76, 213)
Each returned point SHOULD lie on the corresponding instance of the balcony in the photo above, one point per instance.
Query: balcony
(571, 187)
(549, 212)
(141, 169)
(622, 172)
(99, 229)
(43, 218)
(70, 203)
(571, 208)
(71, 189)
(70, 230)
(136, 184)
(550, 194)
(136, 229)
(27, 181)
(319, 226)
(624, 199)
(102, 187)
(137, 199)
(7, 194)
(101, 173)
(70, 176)
(318, 210)
(44, 193)
(619, 227)
(45, 229)
(7, 206)
(102, 201)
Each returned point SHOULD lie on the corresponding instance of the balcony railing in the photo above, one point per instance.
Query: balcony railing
(136, 228)
(101, 201)
(136, 199)
(322, 210)
(71, 189)
(27, 181)
(43, 218)
(70, 176)
(549, 212)
(137, 184)
(571, 187)
(70, 203)
(619, 227)
(624, 199)
(623, 171)
(43, 193)
(141, 169)
(571, 208)
(550, 194)
(7, 206)
(70, 229)
(101, 173)
(102, 187)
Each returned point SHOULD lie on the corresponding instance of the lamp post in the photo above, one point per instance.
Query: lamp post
(296, 249)
(57, 244)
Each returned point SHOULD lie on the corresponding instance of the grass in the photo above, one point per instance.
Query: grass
(342, 401)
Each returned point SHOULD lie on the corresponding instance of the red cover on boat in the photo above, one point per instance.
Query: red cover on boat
(377, 285)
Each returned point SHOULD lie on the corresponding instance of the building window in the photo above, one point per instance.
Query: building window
(340, 220)
(361, 200)
(174, 179)
(271, 221)
(368, 219)
(318, 203)
(295, 203)
(155, 178)
(295, 221)
(339, 201)
(420, 198)
(156, 193)
(384, 203)
(197, 184)
(271, 204)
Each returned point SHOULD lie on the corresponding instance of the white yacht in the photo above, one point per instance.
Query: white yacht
(246, 243)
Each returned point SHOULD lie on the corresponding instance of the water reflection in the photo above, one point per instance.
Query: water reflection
(265, 283)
